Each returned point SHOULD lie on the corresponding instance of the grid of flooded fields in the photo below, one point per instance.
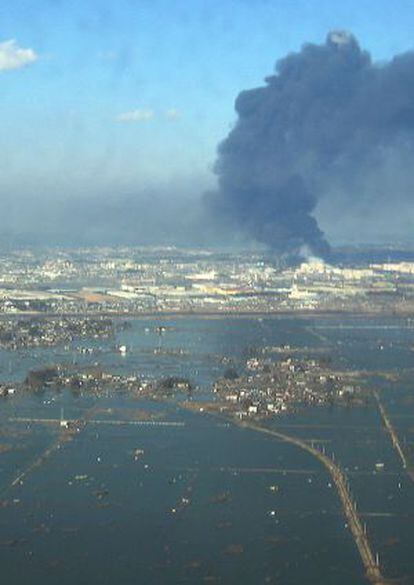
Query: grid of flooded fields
(150, 492)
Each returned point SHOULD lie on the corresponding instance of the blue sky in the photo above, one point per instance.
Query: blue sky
(139, 92)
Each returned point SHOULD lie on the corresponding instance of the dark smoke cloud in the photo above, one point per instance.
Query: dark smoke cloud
(330, 127)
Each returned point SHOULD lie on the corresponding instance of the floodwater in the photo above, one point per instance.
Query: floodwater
(206, 502)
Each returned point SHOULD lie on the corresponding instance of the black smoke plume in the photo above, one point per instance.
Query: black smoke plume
(329, 125)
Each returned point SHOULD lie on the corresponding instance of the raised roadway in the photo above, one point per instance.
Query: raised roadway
(359, 533)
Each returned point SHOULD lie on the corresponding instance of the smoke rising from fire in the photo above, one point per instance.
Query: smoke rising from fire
(329, 125)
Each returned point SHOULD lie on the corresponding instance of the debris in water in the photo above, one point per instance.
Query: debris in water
(222, 498)
(234, 550)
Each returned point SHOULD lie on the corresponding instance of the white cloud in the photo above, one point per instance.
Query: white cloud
(172, 114)
(136, 116)
(14, 57)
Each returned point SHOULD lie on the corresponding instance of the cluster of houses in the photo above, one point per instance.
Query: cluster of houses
(30, 332)
(6, 390)
(269, 388)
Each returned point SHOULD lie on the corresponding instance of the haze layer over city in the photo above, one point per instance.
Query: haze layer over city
(207, 292)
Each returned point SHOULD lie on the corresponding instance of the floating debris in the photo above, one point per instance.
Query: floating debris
(222, 498)
(194, 564)
(392, 541)
(234, 550)
(100, 494)
(41, 529)
(12, 542)
(70, 530)
(222, 525)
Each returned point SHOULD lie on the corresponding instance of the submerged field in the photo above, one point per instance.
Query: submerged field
(204, 501)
